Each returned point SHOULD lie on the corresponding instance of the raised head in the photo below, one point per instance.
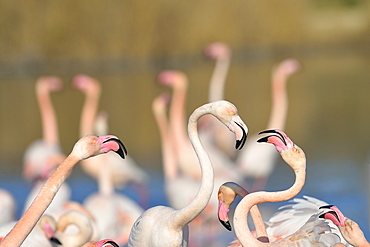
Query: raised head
(217, 50)
(46, 84)
(172, 78)
(86, 83)
(290, 152)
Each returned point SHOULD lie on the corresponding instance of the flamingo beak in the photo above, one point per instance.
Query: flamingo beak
(55, 241)
(240, 142)
(265, 139)
(335, 215)
(121, 151)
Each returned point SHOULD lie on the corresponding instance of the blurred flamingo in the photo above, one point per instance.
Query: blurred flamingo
(305, 236)
(114, 213)
(42, 156)
(86, 147)
(257, 161)
(8, 207)
(165, 226)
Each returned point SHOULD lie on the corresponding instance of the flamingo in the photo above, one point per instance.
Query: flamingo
(84, 148)
(42, 156)
(72, 229)
(294, 156)
(121, 171)
(258, 161)
(348, 228)
(226, 196)
(165, 226)
(114, 213)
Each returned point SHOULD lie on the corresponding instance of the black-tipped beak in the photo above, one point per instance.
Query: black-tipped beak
(326, 206)
(114, 244)
(55, 240)
(265, 139)
(226, 224)
(122, 151)
(240, 143)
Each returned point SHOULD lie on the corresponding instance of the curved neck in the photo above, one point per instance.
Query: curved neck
(218, 79)
(279, 107)
(177, 116)
(48, 117)
(241, 212)
(195, 207)
(168, 155)
(81, 222)
(30, 218)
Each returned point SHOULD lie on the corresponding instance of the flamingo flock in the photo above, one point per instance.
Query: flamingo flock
(207, 159)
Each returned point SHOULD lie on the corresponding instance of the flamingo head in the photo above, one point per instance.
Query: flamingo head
(47, 84)
(160, 103)
(290, 152)
(91, 145)
(287, 67)
(102, 243)
(226, 197)
(172, 78)
(217, 50)
(48, 224)
(349, 229)
(85, 83)
(227, 113)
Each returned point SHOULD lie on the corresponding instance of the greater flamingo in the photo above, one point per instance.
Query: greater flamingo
(257, 161)
(226, 196)
(349, 229)
(86, 147)
(121, 172)
(295, 158)
(165, 226)
(42, 156)
(114, 213)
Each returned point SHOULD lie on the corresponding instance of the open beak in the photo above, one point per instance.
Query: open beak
(274, 132)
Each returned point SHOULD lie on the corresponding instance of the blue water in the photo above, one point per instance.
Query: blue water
(340, 183)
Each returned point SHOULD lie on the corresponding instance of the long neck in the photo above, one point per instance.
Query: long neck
(168, 155)
(88, 114)
(279, 108)
(255, 213)
(195, 207)
(240, 224)
(177, 116)
(28, 221)
(48, 117)
(217, 84)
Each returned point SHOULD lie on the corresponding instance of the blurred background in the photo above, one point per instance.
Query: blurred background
(126, 44)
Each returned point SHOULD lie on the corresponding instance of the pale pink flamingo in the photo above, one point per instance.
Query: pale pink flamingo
(220, 138)
(86, 147)
(121, 172)
(114, 213)
(8, 207)
(42, 156)
(72, 229)
(305, 236)
(226, 196)
(185, 156)
(257, 161)
(165, 226)
(348, 228)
